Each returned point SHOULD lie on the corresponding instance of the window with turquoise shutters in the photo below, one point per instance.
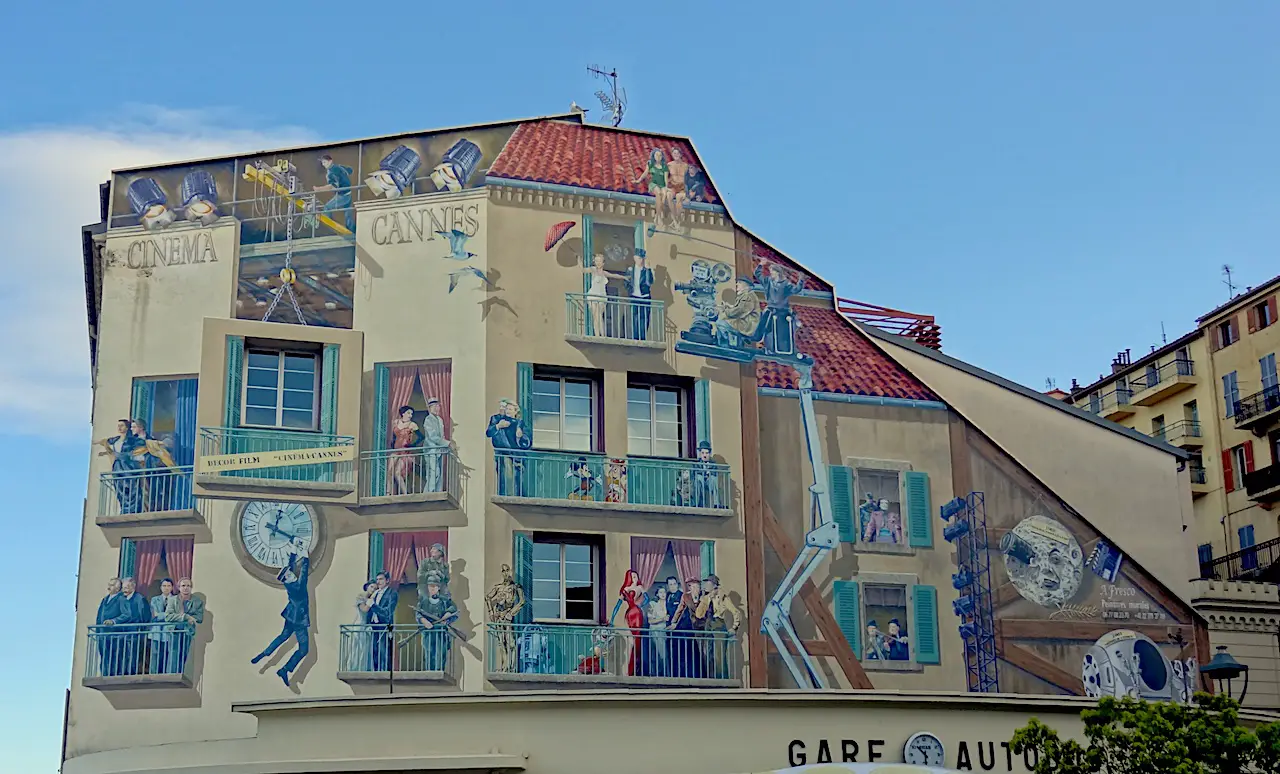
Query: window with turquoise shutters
(702, 409)
(128, 558)
(708, 558)
(522, 571)
(588, 250)
(378, 425)
(919, 525)
(375, 553)
(924, 639)
(144, 398)
(234, 381)
(849, 613)
(840, 481)
(524, 392)
(329, 390)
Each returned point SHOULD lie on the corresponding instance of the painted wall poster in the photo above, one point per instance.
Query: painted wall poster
(324, 285)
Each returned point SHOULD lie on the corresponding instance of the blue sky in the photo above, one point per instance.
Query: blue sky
(1052, 183)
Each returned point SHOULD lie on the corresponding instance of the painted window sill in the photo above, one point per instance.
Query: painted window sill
(618, 508)
(133, 682)
(891, 666)
(614, 680)
(884, 548)
(617, 342)
(395, 677)
(186, 516)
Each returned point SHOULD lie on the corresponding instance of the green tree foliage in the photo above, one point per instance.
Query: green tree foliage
(1131, 736)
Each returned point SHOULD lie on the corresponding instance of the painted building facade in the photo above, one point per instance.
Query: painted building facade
(517, 417)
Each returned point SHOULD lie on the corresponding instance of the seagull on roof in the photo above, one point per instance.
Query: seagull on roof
(457, 245)
(457, 275)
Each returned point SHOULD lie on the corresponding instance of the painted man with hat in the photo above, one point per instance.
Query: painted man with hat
(435, 613)
(434, 445)
(706, 479)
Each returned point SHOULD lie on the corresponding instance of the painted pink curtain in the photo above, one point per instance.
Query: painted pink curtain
(396, 548)
(146, 560)
(646, 558)
(179, 555)
(399, 391)
(436, 379)
(688, 556)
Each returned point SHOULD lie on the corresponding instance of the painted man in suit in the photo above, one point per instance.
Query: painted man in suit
(111, 612)
(639, 282)
(382, 615)
(189, 614)
(509, 435)
(297, 612)
(135, 643)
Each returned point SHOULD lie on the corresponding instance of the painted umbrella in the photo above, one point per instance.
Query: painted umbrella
(556, 233)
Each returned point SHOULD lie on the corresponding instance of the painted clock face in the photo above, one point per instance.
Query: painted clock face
(923, 749)
(269, 531)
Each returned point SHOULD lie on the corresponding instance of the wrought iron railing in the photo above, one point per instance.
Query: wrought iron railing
(409, 473)
(382, 651)
(1262, 479)
(1198, 476)
(1245, 564)
(621, 318)
(1265, 400)
(1183, 428)
(580, 476)
(244, 440)
(1099, 404)
(130, 650)
(603, 653)
(1153, 377)
(126, 492)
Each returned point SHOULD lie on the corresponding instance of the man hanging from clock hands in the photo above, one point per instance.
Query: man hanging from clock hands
(297, 613)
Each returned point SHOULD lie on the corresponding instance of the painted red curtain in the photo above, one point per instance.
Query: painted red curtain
(178, 557)
(399, 391)
(688, 556)
(646, 558)
(146, 561)
(436, 379)
(396, 549)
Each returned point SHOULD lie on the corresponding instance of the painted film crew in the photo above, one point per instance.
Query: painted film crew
(297, 611)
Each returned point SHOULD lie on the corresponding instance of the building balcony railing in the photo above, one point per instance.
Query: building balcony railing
(1255, 563)
(1260, 408)
(138, 656)
(636, 322)
(400, 652)
(1263, 484)
(1198, 475)
(612, 655)
(1156, 384)
(150, 495)
(1184, 432)
(1112, 405)
(277, 459)
(584, 480)
(413, 475)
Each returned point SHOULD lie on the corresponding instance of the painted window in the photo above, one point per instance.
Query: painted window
(281, 390)
(564, 413)
(1273, 441)
(151, 561)
(880, 516)
(407, 556)
(657, 420)
(891, 622)
(566, 579)
(1230, 392)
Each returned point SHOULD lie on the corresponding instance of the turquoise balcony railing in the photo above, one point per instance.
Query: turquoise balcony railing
(122, 493)
(138, 653)
(410, 475)
(579, 477)
(404, 651)
(248, 441)
(615, 318)
(602, 654)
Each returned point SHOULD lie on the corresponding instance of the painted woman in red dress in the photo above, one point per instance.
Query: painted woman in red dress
(404, 434)
(633, 595)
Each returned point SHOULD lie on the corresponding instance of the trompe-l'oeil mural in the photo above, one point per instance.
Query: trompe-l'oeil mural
(133, 635)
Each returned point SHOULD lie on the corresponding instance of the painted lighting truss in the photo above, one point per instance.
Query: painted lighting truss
(966, 519)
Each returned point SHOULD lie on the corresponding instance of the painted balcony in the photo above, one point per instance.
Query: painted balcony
(1184, 433)
(1263, 484)
(401, 653)
(420, 477)
(1159, 382)
(276, 460)
(1199, 481)
(130, 656)
(556, 479)
(551, 653)
(155, 496)
(1259, 410)
(621, 320)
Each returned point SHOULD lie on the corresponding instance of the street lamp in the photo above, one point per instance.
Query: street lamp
(1224, 668)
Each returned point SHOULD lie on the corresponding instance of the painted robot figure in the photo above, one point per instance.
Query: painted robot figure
(510, 438)
(297, 611)
(503, 603)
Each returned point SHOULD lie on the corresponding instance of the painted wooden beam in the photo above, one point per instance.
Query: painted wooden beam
(1041, 668)
(1085, 631)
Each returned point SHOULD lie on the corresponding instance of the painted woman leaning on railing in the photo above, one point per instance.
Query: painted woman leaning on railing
(125, 466)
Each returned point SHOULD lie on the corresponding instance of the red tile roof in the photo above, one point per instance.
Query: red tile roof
(585, 156)
(847, 362)
(765, 253)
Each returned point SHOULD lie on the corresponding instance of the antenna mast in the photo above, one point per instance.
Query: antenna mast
(1226, 272)
(614, 101)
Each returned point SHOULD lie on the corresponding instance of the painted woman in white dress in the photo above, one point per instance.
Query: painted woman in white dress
(360, 649)
(598, 292)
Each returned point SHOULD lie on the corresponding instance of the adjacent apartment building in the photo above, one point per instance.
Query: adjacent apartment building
(1214, 393)
(506, 447)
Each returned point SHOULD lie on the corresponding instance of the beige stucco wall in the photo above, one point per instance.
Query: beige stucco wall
(1144, 511)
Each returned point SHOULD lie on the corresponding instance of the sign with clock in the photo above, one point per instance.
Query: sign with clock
(266, 533)
(923, 749)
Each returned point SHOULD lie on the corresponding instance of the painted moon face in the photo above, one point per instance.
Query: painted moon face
(1044, 561)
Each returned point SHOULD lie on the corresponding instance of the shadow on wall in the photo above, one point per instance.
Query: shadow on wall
(173, 697)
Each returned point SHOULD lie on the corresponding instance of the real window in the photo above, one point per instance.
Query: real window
(281, 389)
(1204, 552)
(1095, 401)
(1238, 462)
(1191, 412)
(657, 420)
(1273, 441)
(879, 506)
(1267, 367)
(1230, 392)
(1262, 312)
(566, 573)
(1226, 333)
(1152, 375)
(1249, 559)
(564, 412)
(1157, 426)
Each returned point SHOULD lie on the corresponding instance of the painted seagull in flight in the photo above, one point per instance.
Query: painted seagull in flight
(457, 245)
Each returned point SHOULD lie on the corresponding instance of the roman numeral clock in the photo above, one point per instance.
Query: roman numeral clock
(266, 533)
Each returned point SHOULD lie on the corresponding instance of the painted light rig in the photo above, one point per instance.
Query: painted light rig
(966, 528)
(395, 172)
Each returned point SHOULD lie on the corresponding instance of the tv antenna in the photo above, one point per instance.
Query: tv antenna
(1231, 287)
(613, 101)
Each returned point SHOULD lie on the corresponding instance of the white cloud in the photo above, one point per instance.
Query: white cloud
(51, 177)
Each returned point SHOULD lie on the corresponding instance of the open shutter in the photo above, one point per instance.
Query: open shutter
(1228, 477)
(849, 613)
(1248, 456)
(522, 571)
(1271, 307)
(588, 253)
(702, 409)
(329, 390)
(708, 558)
(840, 480)
(381, 439)
(919, 527)
(640, 237)
(1235, 328)
(524, 392)
(128, 557)
(925, 636)
(144, 398)
(375, 553)
(234, 381)
(1252, 316)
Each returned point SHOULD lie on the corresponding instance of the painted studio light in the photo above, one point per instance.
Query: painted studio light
(395, 173)
(149, 203)
(200, 197)
(457, 165)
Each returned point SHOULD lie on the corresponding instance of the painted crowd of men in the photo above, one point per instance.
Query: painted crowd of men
(137, 636)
